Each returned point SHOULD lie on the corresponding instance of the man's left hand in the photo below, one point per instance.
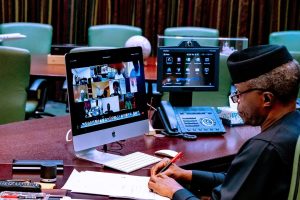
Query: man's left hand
(163, 185)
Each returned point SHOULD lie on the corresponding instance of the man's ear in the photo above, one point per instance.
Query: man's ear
(268, 98)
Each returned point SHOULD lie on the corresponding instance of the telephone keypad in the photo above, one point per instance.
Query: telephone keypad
(199, 120)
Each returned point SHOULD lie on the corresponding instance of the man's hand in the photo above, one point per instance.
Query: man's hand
(173, 171)
(163, 185)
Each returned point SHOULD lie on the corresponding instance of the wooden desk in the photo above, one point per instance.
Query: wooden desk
(45, 139)
(39, 67)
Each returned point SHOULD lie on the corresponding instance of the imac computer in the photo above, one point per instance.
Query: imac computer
(182, 70)
(107, 99)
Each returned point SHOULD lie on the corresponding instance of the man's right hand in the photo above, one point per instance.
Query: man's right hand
(173, 171)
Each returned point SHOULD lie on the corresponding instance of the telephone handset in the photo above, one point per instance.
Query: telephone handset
(190, 120)
(168, 118)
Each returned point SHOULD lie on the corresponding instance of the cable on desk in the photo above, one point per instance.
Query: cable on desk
(111, 148)
(67, 136)
(151, 107)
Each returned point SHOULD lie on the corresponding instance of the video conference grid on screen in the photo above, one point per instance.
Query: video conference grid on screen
(188, 69)
(106, 93)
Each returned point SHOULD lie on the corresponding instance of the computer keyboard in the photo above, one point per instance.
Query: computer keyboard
(132, 162)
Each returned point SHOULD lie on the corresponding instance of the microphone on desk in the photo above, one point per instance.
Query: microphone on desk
(48, 173)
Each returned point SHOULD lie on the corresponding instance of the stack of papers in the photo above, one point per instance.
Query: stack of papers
(110, 184)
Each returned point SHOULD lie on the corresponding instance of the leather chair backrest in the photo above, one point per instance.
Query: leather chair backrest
(192, 32)
(38, 36)
(111, 35)
(290, 39)
(83, 49)
(14, 81)
(294, 193)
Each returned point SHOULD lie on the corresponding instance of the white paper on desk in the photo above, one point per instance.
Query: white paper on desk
(113, 185)
(72, 181)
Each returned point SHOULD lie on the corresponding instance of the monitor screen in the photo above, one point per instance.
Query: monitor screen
(187, 69)
(107, 96)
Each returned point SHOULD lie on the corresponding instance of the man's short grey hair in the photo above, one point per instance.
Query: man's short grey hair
(283, 81)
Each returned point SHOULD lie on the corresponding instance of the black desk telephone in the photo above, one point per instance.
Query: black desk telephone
(190, 120)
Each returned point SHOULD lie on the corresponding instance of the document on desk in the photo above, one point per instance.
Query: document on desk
(110, 184)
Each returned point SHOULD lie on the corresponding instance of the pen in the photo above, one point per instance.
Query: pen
(179, 155)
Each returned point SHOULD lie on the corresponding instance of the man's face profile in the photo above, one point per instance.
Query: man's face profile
(250, 105)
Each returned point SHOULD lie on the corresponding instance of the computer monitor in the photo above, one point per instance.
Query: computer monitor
(187, 68)
(107, 99)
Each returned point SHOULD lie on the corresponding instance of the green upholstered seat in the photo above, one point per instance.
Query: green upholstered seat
(214, 98)
(14, 81)
(38, 36)
(191, 32)
(38, 42)
(290, 39)
(93, 48)
(111, 35)
(294, 193)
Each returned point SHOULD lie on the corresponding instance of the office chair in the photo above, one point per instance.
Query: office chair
(37, 99)
(290, 39)
(92, 48)
(188, 31)
(111, 35)
(14, 81)
(38, 42)
(38, 36)
(294, 192)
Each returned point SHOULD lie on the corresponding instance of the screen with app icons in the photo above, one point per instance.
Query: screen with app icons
(188, 68)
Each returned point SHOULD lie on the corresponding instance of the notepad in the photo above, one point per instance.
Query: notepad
(110, 184)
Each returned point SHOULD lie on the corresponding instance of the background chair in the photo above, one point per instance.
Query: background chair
(38, 36)
(14, 81)
(111, 35)
(38, 42)
(95, 48)
(191, 32)
(290, 39)
(294, 193)
(37, 99)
